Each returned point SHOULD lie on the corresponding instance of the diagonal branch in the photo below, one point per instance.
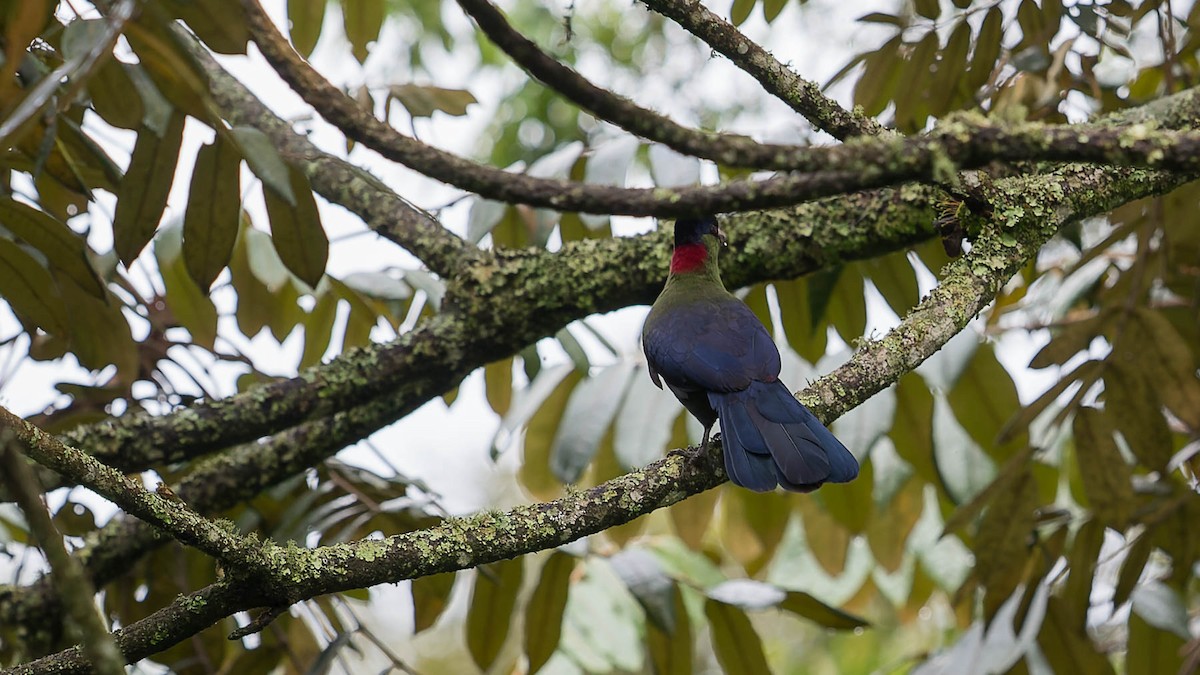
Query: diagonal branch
(727, 149)
(183, 523)
(776, 78)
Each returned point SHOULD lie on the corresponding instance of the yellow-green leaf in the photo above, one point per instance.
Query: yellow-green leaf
(1107, 479)
(64, 249)
(983, 398)
(489, 615)
(210, 225)
(296, 230)
(1002, 543)
(737, 645)
(805, 605)
(497, 378)
(142, 194)
(30, 290)
(362, 20)
(544, 612)
(305, 18)
(671, 653)
(912, 426)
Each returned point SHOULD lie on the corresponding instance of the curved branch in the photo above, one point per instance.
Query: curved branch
(860, 164)
(727, 149)
(776, 78)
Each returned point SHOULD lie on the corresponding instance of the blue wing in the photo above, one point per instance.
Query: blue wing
(715, 345)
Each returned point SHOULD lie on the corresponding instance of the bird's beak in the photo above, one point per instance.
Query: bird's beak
(721, 236)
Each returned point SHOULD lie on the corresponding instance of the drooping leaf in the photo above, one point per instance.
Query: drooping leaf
(430, 595)
(142, 195)
(912, 425)
(890, 526)
(221, 24)
(362, 20)
(318, 328)
(539, 435)
(305, 18)
(544, 612)
(828, 541)
(982, 399)
(987, 49)
(1107, 479)
(424, 100)
(1152, 650)
(210, 224)
(65, 251)
(30, 290)
(296, 230)
(264, 160)
(1133, 407)
(498, 387)
(805, 605)
(1002, 542)
(190, 305)
(671, 651)
(737, 645)
(645, 578)
(585, 420)
(489, 615)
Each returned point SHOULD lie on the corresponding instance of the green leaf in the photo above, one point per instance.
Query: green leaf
(1002, 543)
(1150, 342)
(951, 67)
(877, 85)
(539, 435)
(643, 575)
(982, 398)
(890, 525)
(1152, 651)
(190, 305)
(497, 378)
(64, 249)
(827, 540)
(850, 503)
(1136, 556)
(489, 615)
(930, 9)
(210, 225)
(296, 230)
(362, 20)
(424, 100)
(772, 8)
(585, 420)
(30, 290)
(912, 425)
(305, 18)
(893, 276)
(1107, 479)
(847, 309)
(912, 97)
(740, 11)
(1133, 406)
(318, 328)
(100, 333)
(805, 605)
(221, 24)
(1067, 648)
(1016, 468)
(987, 49)
(264, 160)
(430, 595)
(804, 330)
(1077, 592)
(737, 645)
(142, 194)
(671, 651)
(544, 612)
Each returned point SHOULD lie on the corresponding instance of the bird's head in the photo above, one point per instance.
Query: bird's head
(696, 243)
(692, 230)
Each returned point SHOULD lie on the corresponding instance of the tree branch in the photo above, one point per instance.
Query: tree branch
(183, 523)
(727, 149)
(803, 96)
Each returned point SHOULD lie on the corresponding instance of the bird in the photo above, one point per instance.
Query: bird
(720, 362)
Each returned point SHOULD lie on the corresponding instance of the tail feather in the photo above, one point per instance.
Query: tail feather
(747, 459)
(769, 438)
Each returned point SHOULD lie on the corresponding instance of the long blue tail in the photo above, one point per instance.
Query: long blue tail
(770, 438)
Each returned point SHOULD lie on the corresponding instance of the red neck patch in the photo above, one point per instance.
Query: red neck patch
(688, 258)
